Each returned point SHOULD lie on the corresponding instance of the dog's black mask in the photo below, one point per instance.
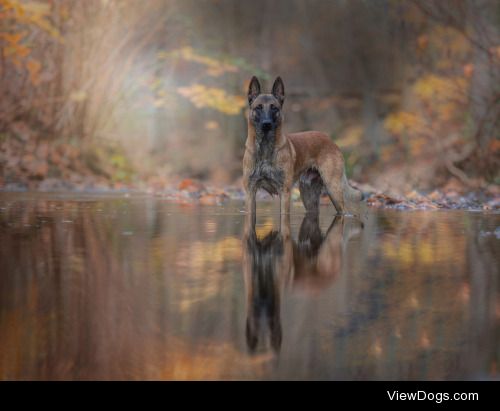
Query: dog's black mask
(265, 109)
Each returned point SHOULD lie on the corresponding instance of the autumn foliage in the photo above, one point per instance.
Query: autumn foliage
(125, 93)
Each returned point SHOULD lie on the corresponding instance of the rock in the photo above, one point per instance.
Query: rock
(191, 186)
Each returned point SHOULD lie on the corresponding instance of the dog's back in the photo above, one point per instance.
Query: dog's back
(311, 147)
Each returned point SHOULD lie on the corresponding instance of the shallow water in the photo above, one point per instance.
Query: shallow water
(133, 287)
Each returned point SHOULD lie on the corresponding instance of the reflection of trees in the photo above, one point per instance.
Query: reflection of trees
(405, 312)
(142, 289)
(69, 293)
(91, 291)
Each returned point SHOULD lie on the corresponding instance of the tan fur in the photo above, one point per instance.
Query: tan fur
(293, 154)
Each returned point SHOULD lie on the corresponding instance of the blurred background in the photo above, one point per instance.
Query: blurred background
(127, 93)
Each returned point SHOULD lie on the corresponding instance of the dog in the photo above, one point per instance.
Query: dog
(274, 161)
(276, 262)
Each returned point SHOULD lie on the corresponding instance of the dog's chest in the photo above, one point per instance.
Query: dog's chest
(267, 176)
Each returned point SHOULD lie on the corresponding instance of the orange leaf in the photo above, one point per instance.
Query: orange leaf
(468, 70)
(34, 67)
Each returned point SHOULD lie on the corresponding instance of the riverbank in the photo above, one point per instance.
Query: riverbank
(192, 191)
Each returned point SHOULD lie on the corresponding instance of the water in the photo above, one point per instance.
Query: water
(116, 287)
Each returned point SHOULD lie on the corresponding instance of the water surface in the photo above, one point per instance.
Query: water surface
(133, 287)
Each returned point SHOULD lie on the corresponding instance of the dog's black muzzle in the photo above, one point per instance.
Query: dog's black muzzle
(266, 126)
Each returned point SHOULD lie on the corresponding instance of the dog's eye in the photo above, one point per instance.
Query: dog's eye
(259, 107)
(274, 108)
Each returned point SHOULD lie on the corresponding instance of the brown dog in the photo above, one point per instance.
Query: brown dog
(273, 161)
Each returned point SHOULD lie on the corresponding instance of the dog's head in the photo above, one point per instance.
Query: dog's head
(265, 109)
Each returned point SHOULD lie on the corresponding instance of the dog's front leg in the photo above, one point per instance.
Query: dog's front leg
(251, 206)
(285, 196)
(284, 226)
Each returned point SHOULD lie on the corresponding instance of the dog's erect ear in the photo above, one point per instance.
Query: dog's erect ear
(279, 90)
(253, 89)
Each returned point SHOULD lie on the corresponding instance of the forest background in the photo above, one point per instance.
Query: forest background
(126, 94)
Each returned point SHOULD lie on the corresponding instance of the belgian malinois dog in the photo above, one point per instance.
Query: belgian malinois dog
(273, 161)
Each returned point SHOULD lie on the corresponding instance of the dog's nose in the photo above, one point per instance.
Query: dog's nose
(267, 125)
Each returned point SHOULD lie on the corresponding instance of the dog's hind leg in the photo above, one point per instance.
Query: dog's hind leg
(336, 194)
(332, 177)
(310, 187)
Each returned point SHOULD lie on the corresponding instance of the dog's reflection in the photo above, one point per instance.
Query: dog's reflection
(313, 261)
(317, 257)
